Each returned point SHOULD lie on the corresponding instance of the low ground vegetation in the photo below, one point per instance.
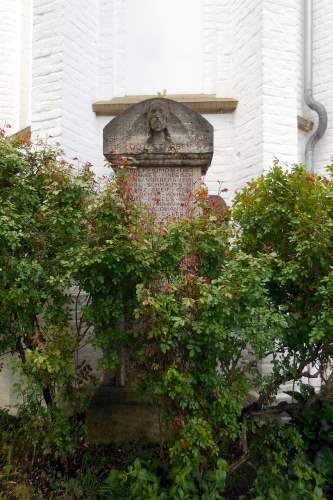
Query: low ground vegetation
(195, 303)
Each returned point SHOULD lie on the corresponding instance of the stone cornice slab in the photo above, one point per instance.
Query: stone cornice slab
(201, 103)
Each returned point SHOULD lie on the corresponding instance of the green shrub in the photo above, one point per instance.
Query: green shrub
(195, 303)
(288, 215)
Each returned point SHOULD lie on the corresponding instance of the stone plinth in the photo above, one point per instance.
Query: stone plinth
(170, 147)
(118, 414)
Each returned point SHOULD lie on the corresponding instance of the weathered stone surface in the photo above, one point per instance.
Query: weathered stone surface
(160, 132)
(118, 414)
(167, 191)
(217, 202)
(201, 103)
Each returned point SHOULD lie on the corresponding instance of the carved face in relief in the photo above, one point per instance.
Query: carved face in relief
(157, 118)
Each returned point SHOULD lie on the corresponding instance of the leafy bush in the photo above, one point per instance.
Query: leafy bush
(42, 225)
(200, 304)
(192, 305)
(212, 297)
(288, 215)
(282, 469)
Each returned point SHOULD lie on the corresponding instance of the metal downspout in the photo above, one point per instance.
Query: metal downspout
(316, 106)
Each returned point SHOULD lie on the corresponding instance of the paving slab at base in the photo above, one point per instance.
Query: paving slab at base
(118, 414)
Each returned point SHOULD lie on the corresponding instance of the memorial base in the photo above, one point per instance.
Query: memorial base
(118, 415)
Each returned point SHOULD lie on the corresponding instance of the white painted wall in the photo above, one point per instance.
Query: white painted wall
(90, 50)
(47, 69)
(25, 27)
(65, 75)
(160, 36)
(280, 80)
(323, 76)
(80, 78)
(15, 60)
(9, 63)
(109, 32)
(246, 75)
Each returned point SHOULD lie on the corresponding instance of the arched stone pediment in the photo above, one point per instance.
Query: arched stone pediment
(160, 132)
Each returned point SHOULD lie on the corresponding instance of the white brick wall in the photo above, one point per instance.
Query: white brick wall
(65, 74)
(323, 76)
(25, 63)
(246, 71)
(211, 24)
(279, 91)
(238, 136)
(80, 78)
(106, 69)
(251, 50)
(48, 69)
(9, 62)
(302, 109)
(15, 58)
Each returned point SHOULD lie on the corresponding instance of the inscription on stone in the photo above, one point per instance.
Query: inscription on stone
(167, 190)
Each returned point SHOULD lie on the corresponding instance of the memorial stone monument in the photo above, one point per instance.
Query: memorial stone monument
(170, 147)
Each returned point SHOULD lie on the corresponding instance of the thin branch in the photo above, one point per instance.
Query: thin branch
(238, 463)
(245, 451)
(76, 312)
(280, 408)
(272, 388)
(3, 354)
(82, 346)
(79, 323)
(85, 331)
(285, 407)
(308, 374)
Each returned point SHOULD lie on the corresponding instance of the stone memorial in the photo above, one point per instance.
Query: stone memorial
(169, 147)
